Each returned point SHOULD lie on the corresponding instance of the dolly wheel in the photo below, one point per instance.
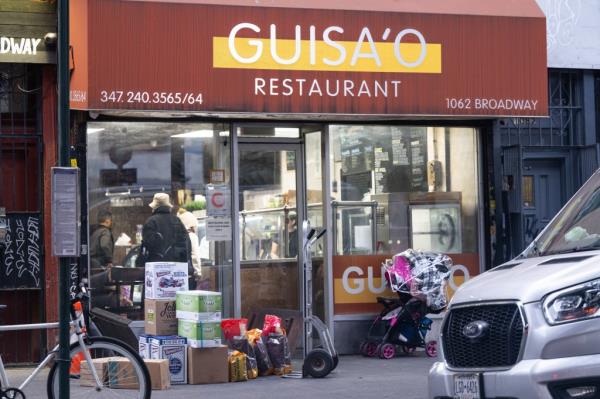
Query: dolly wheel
(318, 363)
(336, 360)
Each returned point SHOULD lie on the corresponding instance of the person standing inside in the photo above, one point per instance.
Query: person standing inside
(191, 224)
(102, 243)
(164, 238)
(292, 230)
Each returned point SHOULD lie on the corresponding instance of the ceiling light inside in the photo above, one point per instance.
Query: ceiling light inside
(195, 134)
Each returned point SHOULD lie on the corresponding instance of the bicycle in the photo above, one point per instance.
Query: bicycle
(117, 372)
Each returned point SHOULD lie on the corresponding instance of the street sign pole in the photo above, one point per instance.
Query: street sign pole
(63, 155)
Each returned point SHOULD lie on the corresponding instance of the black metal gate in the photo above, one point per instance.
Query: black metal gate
(21, 194)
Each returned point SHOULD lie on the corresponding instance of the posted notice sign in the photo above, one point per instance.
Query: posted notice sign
(218, 229)
(65, 212)
(218, 201)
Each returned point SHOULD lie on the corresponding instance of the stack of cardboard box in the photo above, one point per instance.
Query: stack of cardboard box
(199, 321)
(163, 280)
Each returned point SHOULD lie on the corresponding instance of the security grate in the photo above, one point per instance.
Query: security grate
(564, 126)
(20, 138)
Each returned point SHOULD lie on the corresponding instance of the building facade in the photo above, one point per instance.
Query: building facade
(376, 126)
(540, 163)
(27, 151)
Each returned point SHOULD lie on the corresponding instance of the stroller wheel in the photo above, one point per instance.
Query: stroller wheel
(361, 349)
(386, 351)
(408, 349)
(431, 348)
(370, 349)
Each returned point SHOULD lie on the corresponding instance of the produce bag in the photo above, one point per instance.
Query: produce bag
(237, 367)
(279, 353)
(265, 367)
(271, 325)
(242, 345)
(233, 328)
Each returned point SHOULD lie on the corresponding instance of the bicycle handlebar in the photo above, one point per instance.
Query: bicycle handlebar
(82, 294)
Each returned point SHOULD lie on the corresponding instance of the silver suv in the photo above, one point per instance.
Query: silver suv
(530, 328)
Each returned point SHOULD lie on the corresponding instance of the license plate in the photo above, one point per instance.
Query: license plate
(466, 386)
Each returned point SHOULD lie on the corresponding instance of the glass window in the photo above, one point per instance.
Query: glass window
(576, 227)
(528, 192)
(400, 187)
(129, 162)
(314, 200)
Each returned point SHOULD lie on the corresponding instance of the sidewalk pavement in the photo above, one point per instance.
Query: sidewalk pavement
(356, 377)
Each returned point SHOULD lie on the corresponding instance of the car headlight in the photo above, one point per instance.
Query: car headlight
(575, 303)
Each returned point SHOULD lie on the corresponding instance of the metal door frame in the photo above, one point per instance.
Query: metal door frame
(265, 144)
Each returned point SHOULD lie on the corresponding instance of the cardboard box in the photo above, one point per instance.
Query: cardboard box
(199, 305)
(121, 374)
(174, 349)
(118, 373)
(159, 317)
(159, 373)
(86, 378)
(200, 334)
(144, 346)
(164, 279)
(208, 365)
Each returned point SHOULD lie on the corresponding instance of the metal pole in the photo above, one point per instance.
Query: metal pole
(63, 160)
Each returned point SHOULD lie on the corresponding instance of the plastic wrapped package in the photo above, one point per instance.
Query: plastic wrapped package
(237, 367)
(271, 325)
(242, 345)
(421, 274)
(233, 328)
(279, 353)
(265, 367)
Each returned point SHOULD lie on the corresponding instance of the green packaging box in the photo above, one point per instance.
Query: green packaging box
(200, 334)
(199, 305)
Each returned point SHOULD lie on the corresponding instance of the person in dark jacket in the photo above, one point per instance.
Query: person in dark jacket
(102, 243)
(164, 238)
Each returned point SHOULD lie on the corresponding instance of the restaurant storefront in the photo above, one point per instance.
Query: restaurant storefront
(373, 125)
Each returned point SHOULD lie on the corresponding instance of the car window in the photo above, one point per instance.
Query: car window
(577, 226)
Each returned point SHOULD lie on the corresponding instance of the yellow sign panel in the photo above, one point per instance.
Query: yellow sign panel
(361, 292)
(342, 56)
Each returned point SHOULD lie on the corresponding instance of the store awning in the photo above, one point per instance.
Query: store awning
(439, 58)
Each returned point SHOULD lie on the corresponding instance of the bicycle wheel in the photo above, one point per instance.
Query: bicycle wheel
(124, 376)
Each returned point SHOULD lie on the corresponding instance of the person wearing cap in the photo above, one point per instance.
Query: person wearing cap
(292, 229)
(190, 222)
(164, 238)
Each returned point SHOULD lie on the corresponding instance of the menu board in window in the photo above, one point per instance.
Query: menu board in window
(418, 159)
(356, 153)
(401, 161)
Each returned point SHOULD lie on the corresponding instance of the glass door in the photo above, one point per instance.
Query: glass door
(271, 209)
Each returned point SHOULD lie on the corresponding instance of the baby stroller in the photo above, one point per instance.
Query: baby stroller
(419, 279)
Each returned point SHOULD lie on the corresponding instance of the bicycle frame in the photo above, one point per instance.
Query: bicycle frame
(4, 382)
